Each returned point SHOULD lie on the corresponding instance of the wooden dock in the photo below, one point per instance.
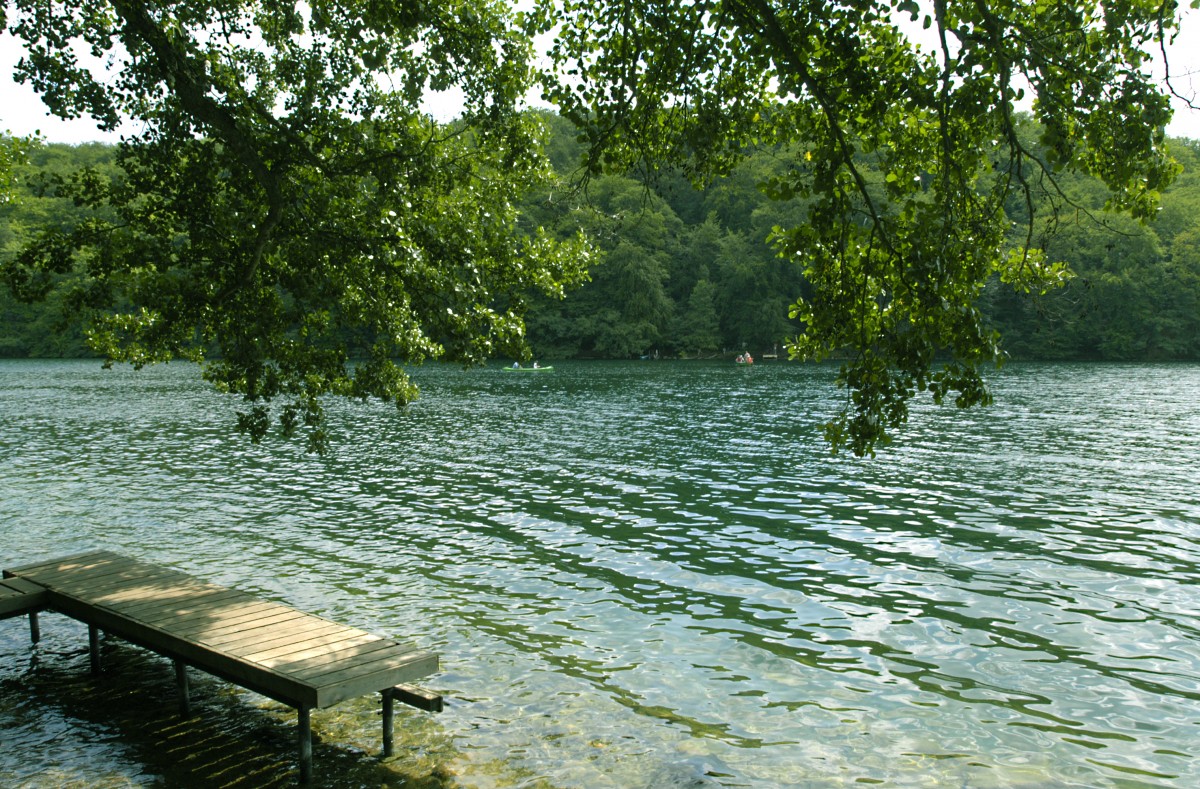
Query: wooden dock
(19, 597)
(296, 658)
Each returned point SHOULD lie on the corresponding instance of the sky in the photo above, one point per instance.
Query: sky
(22, 113)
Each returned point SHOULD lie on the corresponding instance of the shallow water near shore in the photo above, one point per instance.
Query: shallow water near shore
(637, 575)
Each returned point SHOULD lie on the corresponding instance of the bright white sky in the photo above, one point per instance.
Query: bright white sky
(22, 113)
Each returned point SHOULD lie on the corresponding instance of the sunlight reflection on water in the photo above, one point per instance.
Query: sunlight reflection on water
(654, 574)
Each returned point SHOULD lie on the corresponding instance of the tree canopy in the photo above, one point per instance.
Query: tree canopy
(285, 186)
(896, 263)
(285, 192)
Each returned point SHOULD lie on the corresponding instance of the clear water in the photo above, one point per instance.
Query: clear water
(637, 575)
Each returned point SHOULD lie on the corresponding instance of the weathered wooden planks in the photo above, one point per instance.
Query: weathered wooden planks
(289, 655)
(18, 596)
(297, 658)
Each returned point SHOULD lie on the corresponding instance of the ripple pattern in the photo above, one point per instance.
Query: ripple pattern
(654, 574)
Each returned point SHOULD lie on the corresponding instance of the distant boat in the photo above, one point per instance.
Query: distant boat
(528, 369)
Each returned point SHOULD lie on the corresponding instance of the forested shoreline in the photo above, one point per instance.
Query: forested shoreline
(692, 273)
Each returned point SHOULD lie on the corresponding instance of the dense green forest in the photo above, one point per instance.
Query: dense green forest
(689, 272)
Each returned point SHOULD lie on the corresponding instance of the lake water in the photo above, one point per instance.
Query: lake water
(637, 575)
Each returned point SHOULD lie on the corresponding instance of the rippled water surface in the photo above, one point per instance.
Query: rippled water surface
(637, 575)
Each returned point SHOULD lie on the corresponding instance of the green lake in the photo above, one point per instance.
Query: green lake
(645, 574)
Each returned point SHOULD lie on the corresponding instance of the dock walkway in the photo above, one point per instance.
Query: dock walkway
(296, 658)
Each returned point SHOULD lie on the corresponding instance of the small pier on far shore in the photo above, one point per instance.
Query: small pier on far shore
(296, 658)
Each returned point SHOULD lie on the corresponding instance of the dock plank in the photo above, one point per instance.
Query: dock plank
(285, 634)
(45, 564)
(308, 660)
(108, 577)
(353, 666)
(277, 686)
(332, 654)
(223, 635)
(18, 597)
(161, 605)
(133, 597)
(216, 624)
(289, 655)
(201, 616)
(104, 573)
(278, 656)
(56, 575)
(331, 692)
(79, 566)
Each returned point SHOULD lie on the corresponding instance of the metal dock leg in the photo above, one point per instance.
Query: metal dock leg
(94, 648)
(389, 716)
(35, 630)
(304, 735)
(181, 682)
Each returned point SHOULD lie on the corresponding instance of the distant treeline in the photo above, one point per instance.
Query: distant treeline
(689, 272)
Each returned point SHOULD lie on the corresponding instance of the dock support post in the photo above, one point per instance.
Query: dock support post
(181, 682)
(35, 630)
(389, 716)
(304, 736)
(94, 648)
